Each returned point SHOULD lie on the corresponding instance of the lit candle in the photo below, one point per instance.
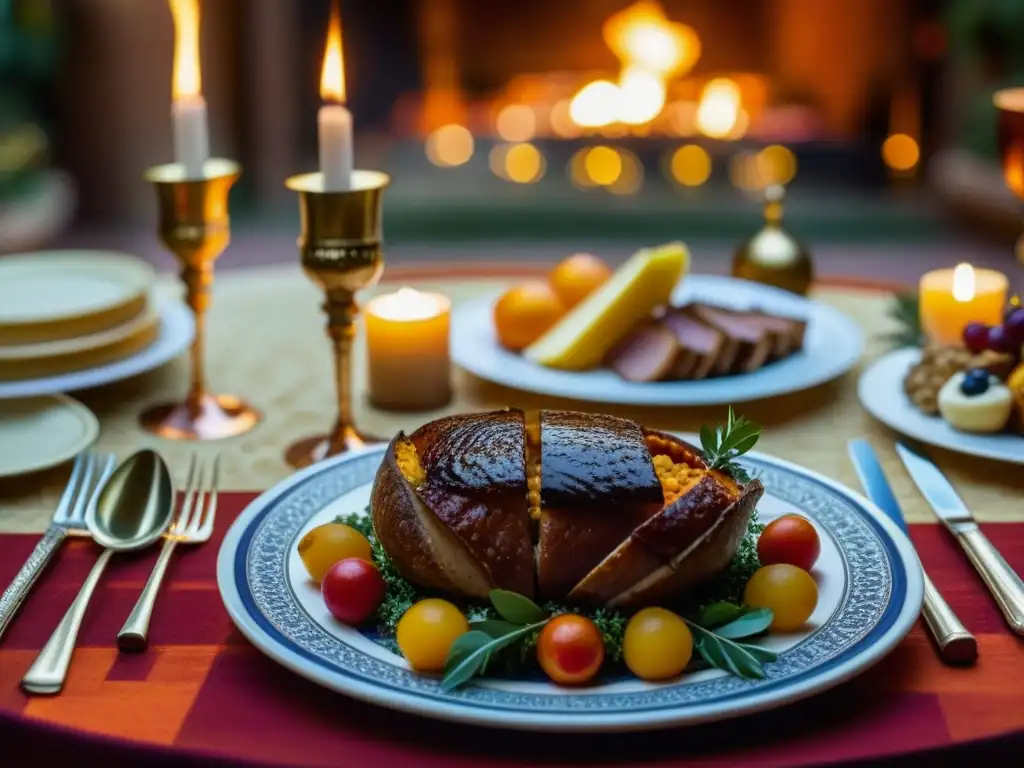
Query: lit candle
(334, 121)
(952, 298)
(188, 108)
(407, 343)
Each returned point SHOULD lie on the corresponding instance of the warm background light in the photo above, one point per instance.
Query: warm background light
(332, 76)
(690, 165)
(602, 165)
(964, 282)
(631, 175)
(900, 152)
(641, 35)
(449, 146)
(520, 163)
(719, 109)
(516, 122)
(641, 96)
(776, 165)
(596, 104)
(187, 80)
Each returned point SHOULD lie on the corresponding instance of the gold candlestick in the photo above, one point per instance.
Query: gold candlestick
(773, 256)
(1010, 136)
(340, 250)
(194, 226)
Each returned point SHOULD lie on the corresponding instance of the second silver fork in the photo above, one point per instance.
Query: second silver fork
(192, 525)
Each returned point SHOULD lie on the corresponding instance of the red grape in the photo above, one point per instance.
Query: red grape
(976, 337)
(1015, 325)
(1000, 340)
(352, 590)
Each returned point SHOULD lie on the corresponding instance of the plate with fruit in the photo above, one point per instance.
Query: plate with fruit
(650, 334)
(569, 571)
(966, 397)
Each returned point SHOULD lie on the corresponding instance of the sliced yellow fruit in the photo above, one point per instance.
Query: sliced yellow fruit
(581, 339)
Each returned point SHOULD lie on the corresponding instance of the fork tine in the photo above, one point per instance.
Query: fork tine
(77, 514)
(71, 489)
(211, 507)
(188, 502)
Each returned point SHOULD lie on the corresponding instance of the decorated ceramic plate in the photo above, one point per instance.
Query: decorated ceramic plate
(869, 596)
(174, 333)
(832, 345)
(881, 393)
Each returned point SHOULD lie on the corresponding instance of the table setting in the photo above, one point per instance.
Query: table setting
(501, 513)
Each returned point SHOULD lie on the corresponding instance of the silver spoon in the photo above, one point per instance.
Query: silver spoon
(131, 512)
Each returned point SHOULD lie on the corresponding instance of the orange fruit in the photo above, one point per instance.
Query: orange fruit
(524, 313)
(578, 276)
(570, 649)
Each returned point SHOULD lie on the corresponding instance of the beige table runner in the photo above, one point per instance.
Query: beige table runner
(266, 343)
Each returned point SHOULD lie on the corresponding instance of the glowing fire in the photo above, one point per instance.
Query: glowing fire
(642, 36)
(652, 49)
(332, 76)
(963, 282)
(187, 80)
(719, 113)
(641, 96)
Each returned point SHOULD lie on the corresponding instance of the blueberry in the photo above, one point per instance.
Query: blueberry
(975, 382)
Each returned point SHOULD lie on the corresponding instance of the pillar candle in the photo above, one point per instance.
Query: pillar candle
(952, 298)
(407, 344)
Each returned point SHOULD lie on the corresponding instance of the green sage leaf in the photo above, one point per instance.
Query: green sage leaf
(464, 646)
(516, 608)
(716, 614)
(494, 627)
(726, 655)
(749, 624)
(761, 654)
(466, 666)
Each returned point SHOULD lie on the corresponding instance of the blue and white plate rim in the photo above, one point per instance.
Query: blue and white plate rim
(420, 695)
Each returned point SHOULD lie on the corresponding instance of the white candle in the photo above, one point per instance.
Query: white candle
(191, 137)
(334, 127)
(188, 108)
(334, 122)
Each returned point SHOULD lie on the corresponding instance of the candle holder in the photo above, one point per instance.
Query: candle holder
(340, 250)
(1010, 136)
(194, 226)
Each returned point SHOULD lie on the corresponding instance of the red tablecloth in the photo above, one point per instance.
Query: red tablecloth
(202, 692)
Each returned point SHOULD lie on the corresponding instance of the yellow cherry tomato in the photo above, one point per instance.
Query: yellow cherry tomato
(657, 644)
(330, 543)
(788, 591)
(426, 632)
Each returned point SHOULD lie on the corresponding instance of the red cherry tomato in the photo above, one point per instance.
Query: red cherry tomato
(790, 539)
(352, 590)
(570, 649)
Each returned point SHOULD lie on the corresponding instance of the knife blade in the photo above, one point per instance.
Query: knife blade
(956, 645)
(1002, 581)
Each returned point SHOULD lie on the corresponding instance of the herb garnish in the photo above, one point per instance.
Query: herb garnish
(726, 443)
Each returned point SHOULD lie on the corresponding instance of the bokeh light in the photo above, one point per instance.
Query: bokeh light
(690, 165)
(596, 104)
(900, 152)
(602, 165)
(719, 110)
(641, 96)
(520, 163)
(516, 122)
(631, 176)
(776, 165)
(449, 146)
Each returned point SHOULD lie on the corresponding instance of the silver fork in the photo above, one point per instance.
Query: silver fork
(192, 525)
(89, 474)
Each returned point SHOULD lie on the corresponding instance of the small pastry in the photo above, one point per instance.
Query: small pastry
(975, 401)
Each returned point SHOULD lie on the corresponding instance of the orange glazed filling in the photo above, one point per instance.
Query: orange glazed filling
(408, 462)
(676, 479)
(533, 467)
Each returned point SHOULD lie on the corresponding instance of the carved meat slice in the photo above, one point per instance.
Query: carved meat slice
(647, 353)
(597, 485)
(708, 348)
(755, 343)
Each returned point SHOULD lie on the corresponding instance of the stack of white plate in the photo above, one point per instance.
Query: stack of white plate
(71, 320)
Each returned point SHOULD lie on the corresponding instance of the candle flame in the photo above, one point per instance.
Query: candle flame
(187, 80)
(407, 304)
(964, 282)
(332, 76)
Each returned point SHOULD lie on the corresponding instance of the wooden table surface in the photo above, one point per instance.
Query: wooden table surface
(266, 343)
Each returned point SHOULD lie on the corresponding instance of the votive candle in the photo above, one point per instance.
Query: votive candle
(952, 298)
(407, 345)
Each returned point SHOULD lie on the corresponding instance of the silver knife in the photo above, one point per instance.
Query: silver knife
(1001, 580)
(956, 645)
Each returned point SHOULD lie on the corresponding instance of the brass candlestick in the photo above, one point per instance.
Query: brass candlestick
(773, 256)
(340, 250)
(194, 226)
(1010, 135)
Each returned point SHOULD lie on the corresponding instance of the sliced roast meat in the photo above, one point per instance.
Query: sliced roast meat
(597, 485)
(710, 348)
(647, 353)
(475, 482)
(755, 343)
